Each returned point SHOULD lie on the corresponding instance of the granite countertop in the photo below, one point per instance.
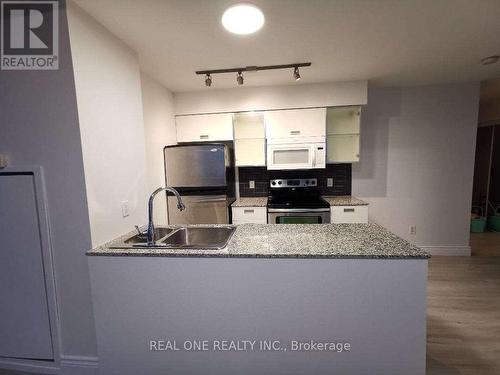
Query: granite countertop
(345, 200)
(250, 202)
(293, 241)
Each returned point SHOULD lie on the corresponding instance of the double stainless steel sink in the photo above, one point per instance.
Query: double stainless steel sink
(199, 237)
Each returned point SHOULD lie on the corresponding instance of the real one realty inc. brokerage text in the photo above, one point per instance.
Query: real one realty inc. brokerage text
(248, 345)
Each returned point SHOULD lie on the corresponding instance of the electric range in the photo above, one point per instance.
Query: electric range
(296, 201)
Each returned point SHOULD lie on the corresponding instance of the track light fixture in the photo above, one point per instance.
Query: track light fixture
(296, 73)
(239, 78)
(208, 80)
(239, 71)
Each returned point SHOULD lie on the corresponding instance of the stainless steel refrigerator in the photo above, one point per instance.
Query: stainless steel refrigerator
(203, 174)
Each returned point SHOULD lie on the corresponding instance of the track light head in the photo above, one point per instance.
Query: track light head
(239, 78)
(296, 73)
(208, 80)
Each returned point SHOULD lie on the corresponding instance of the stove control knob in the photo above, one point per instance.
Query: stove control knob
(273, 183)
(313, 182)
(307, 182)
(279, 182)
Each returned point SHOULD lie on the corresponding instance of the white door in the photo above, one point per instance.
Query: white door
(24, 315)
(199, 128)
(310, 122)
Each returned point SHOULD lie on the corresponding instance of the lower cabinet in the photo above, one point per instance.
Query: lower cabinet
(249, 215)
(349, 214)
(339, 215)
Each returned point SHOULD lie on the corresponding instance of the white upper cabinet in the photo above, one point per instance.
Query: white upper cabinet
(249, 139)
(343, 134)
(293, 123)
(343, 120)
(203, 128)
(249, 125)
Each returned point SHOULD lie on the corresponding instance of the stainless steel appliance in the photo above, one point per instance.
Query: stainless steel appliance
(301, 153)
(296, 201)
(203, 174)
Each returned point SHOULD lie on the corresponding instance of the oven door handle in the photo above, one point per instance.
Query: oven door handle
(298, 210)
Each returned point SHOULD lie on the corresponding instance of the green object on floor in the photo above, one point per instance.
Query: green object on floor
(494, 220)
(494, 223)
(478, 225)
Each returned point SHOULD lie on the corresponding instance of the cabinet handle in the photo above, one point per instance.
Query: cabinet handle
(348, 209)
(295, 132)
(204, 136)
(248, 211)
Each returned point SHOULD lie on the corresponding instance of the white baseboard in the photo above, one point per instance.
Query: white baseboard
(26, 365)
(447, 250)
(68, 365)
(79, 365)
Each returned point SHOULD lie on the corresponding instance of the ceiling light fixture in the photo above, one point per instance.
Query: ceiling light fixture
(490, 60)
(239, 76)
(243, 19)
(296, 73)
(208, 80)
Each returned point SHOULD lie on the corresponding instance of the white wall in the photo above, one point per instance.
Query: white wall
(108, 89)
(211, 100)
(159, 131)
(417, 158)
(39, 126)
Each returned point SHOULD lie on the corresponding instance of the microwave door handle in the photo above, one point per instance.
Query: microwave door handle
(314, 157)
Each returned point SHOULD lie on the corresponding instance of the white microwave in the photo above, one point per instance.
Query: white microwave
(303, 153)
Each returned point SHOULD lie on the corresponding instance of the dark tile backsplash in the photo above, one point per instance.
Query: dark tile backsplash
(341, 174)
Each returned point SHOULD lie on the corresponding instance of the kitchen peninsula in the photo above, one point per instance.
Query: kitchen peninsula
(357, 285)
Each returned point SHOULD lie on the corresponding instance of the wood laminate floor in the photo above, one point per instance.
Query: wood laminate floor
(485, 244)
(463, 316)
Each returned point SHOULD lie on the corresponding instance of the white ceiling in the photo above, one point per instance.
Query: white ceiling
(388, 42)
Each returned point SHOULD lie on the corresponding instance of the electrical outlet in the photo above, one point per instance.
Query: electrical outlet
(329, 182)
(412, 229)
(251, 184)
(125, 212)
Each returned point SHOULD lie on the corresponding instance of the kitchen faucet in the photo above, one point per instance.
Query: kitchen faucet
(151, 228)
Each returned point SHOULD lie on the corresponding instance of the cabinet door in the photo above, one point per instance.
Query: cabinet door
(343, 120)
(342, 148)
(249, 139)
(349, 214)
(309, 122)
(199, 128)
(246, 215)
(249, 125)
(250, 152)
(24, 316)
